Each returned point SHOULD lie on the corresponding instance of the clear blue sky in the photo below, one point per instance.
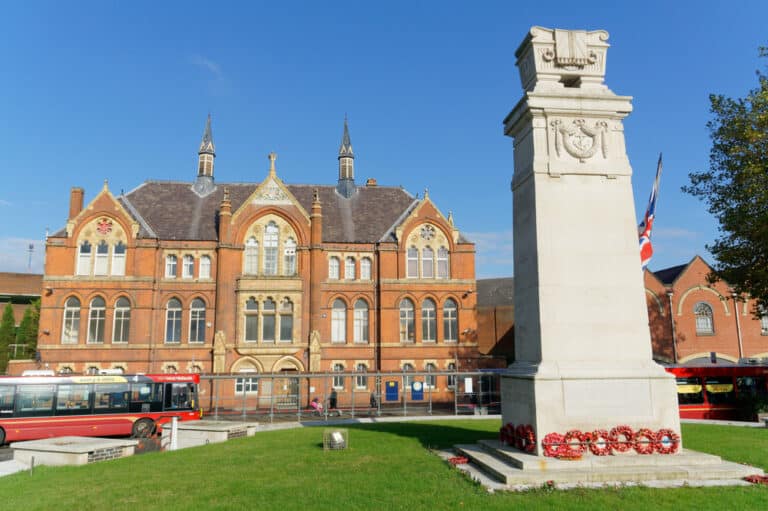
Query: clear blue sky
(120, 91)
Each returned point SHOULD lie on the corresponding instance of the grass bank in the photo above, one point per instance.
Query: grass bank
(388, 466)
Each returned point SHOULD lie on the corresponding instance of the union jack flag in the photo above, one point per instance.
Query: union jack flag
(644, 229)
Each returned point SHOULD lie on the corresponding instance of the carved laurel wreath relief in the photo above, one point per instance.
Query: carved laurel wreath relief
(580, 140)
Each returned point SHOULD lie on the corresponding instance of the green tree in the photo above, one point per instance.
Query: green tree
(735, 189)
(7, 335)
(27, 331)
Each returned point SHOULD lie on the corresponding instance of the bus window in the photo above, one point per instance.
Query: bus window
(751, 385)
(34, 400)
(6, 400)
(73, 399)
(179, 396)
(689, 391)
(720, 389)
(146, 397)
(110, 398)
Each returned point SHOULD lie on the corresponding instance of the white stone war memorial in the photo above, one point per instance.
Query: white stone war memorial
(583, 401)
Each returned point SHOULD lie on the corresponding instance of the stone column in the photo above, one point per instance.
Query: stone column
(583, 355)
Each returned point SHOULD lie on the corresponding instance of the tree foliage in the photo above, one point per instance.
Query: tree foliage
(27, 331)
(7, 335)
(735, 189)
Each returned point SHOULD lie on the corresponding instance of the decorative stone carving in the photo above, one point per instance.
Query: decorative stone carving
(314, 351)
(219, 352)
(556, 58)
(271, 193)
(579, 140)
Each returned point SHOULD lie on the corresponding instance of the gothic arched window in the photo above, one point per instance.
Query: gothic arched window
(704, 322)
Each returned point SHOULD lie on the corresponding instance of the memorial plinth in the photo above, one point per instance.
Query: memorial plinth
(583, 356)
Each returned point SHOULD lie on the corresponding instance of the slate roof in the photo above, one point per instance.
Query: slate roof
(668, 275)
(495, 292)
(173, 211)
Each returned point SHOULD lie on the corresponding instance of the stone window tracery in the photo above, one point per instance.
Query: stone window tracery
(427, 255)
(101, 249)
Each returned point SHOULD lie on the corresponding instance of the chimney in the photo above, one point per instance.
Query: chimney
(75, 201)
(371, 182)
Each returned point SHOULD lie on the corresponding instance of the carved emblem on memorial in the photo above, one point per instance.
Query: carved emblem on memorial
(579, 139)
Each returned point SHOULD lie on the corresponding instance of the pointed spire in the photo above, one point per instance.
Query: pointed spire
(205, 155)
(345, 150)
(206, 145)
(346, 184)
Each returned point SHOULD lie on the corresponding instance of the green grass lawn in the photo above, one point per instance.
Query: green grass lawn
(387, 466)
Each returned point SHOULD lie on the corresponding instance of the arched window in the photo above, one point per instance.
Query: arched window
(361, 321)
(271, 241)
(188, 267)
(450, 321)
(173, 321)
(704, 323)
(66, 370)
(349, 268)
(96, 318)
(451, 377)
(428, 321)
(365, 269)
(333, 268)
(251, 257)
(70, 332)
(251, 320)
(407, 379)
(268, 321)
(289, 264)
(407, 326)
(430, 380)
(338, 381)
(286, 320)
(197, 321)
(118, 259)
(427, 263)
(442, 263)
(84, 258)
(361, 380)
(412, 263)
(205, 267)
(170, 266)
(102, 258)
(171, 369)
(339, 321)
(122, 321)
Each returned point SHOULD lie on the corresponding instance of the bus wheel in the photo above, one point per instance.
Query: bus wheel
(143, 428)
(2, 436)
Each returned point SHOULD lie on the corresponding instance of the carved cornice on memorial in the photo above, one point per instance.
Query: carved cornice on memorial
(557, 59)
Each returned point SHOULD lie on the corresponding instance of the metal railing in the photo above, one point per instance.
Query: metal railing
(279, 397)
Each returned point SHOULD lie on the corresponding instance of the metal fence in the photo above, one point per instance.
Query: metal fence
(323, 396)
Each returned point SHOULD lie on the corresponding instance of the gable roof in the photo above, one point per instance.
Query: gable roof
(668, 275)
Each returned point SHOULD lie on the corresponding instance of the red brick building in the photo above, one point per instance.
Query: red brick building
(693, 322)
(258, 277)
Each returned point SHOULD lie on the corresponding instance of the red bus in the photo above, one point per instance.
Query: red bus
(33, 407)
(720, 392)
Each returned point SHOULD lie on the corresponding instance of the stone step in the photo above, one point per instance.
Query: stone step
(526, 461)
(514, 468)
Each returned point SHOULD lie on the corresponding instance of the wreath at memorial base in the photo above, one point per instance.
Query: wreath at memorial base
(575, 443)
(527, 437)
(645, 441)
(622, 438)
(552, 444)
(599, 442)
(667, 441)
